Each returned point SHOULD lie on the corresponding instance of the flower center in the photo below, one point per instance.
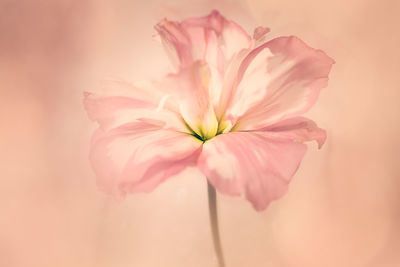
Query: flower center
(204, 134)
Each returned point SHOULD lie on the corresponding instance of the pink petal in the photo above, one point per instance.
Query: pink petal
(190, 89)
(230, 83)
(138, 156)
(280, 79)
(298, 129)
(260, 32)
(176, 43)
(121, 102)
(254, 164)
(259, 35)
(211, 38)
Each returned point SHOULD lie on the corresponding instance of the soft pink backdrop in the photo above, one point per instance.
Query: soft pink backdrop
(342, 208)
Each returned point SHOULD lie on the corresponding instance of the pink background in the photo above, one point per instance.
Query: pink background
(342, 208)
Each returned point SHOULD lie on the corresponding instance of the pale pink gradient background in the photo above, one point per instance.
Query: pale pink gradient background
(342, 208)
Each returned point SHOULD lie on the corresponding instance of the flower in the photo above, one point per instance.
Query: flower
(232, 108)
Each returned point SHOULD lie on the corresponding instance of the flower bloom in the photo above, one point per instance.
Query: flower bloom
(232, 108)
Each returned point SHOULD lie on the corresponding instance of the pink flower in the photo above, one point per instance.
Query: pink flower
(232, 109)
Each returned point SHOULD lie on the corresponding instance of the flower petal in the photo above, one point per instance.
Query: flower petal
(211, 38)
(138, 156)
(176, 43)
(260, 32)
(121, 102)
(259, 35)
(298, 129)
(280, 79)
(190, 89)
(254, 164)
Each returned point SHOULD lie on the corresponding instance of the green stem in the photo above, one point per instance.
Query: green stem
(212, 207)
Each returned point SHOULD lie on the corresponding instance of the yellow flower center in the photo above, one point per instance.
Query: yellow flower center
(204, 134)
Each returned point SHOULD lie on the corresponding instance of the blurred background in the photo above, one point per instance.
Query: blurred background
(343, 205)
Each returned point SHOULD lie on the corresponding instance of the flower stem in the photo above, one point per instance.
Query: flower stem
(212, 207)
